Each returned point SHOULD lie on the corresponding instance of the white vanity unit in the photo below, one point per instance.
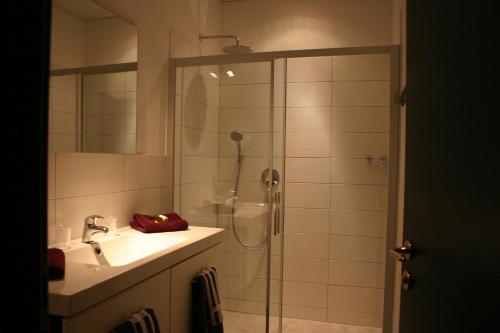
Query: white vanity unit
(118, 275)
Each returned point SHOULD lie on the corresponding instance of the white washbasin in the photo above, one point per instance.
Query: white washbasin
(122, 250)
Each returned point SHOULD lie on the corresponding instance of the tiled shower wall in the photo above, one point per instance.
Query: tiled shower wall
(196, 144)
(245, 102)
(335, 218)
(336, 201)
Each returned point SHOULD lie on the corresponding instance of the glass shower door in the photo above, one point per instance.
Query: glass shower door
(226, 143)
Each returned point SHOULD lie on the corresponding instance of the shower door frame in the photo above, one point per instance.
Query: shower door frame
(394, 140)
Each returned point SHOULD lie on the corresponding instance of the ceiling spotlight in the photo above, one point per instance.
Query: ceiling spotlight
(213, 75)
(230, 73)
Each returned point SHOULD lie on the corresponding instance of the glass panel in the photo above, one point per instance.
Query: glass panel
(337, 132)
(223, 143)
(278, 195)
(64, 114)
(109, 117)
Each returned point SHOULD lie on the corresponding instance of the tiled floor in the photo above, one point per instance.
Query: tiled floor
(237, 322)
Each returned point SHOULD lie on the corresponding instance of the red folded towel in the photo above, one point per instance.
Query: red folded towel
(56, 263)
(147, 224)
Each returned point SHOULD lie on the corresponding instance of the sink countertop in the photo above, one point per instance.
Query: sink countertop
(85, 285)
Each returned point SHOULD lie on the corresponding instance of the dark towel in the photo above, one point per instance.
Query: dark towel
(143, 321)
(56, 263)
(147, 224)
(206, 314)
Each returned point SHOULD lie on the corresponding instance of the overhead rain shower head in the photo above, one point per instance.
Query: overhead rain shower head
(236, 136)
(237, 49)
(231, 49)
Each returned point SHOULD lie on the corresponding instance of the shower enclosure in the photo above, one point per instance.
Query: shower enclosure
(295, 154)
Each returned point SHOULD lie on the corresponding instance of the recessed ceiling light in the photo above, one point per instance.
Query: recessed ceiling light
(230, 73)
(213, 75)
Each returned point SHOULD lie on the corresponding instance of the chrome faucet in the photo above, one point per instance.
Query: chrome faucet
(90, 228)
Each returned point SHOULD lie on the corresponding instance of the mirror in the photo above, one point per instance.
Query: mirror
(93, 62)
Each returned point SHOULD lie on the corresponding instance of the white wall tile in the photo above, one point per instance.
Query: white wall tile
(250, 289)
(302, 312)
(305, 294)
(358, 223)
(357, 171)
(353, 248)
(360, 145)
(209, 144)
(304, 220)
(308, 119)
(355, 318)
(62, 142)
(118, 144)
(361, 67)
(131, 81)
(309, 69)
(64, 82)
(306, 245)
(51, 175)
(251, 168)
(130, 102)
(141, 202)
(355, 299)
(245, 120)
(307, 195)
(63, 100)
(166, 204)
(211, 122)
(143, 171)
(360, 119)
(51, 221)
(360, 274)
(305, 270)
(92, 126)
(308, 144)
(359, 197)
(82, 174)
(245, 96)
(361, 93)
(62, 122)
(250, 265)
(93, 144)
(312, 170)
(309, 94)
(112, 103)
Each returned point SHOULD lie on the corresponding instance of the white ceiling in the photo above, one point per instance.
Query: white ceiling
(84, 9)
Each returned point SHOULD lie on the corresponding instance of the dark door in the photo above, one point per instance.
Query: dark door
(452, 201)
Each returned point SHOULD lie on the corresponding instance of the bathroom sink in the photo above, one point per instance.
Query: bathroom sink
(122, 250)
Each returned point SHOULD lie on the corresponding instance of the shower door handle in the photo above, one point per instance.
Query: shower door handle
(277, 212)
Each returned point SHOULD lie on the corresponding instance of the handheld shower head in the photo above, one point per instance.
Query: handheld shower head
(236, 136)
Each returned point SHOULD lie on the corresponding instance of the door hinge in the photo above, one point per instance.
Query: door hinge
(400, 96)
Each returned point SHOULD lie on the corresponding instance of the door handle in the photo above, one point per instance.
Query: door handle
(277, 213)
(403, 253)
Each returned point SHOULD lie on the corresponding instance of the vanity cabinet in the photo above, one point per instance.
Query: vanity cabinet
(153, 292)
(167, 292)
(182, 274)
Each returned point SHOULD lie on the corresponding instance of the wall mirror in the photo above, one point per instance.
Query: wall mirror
(93, 62)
